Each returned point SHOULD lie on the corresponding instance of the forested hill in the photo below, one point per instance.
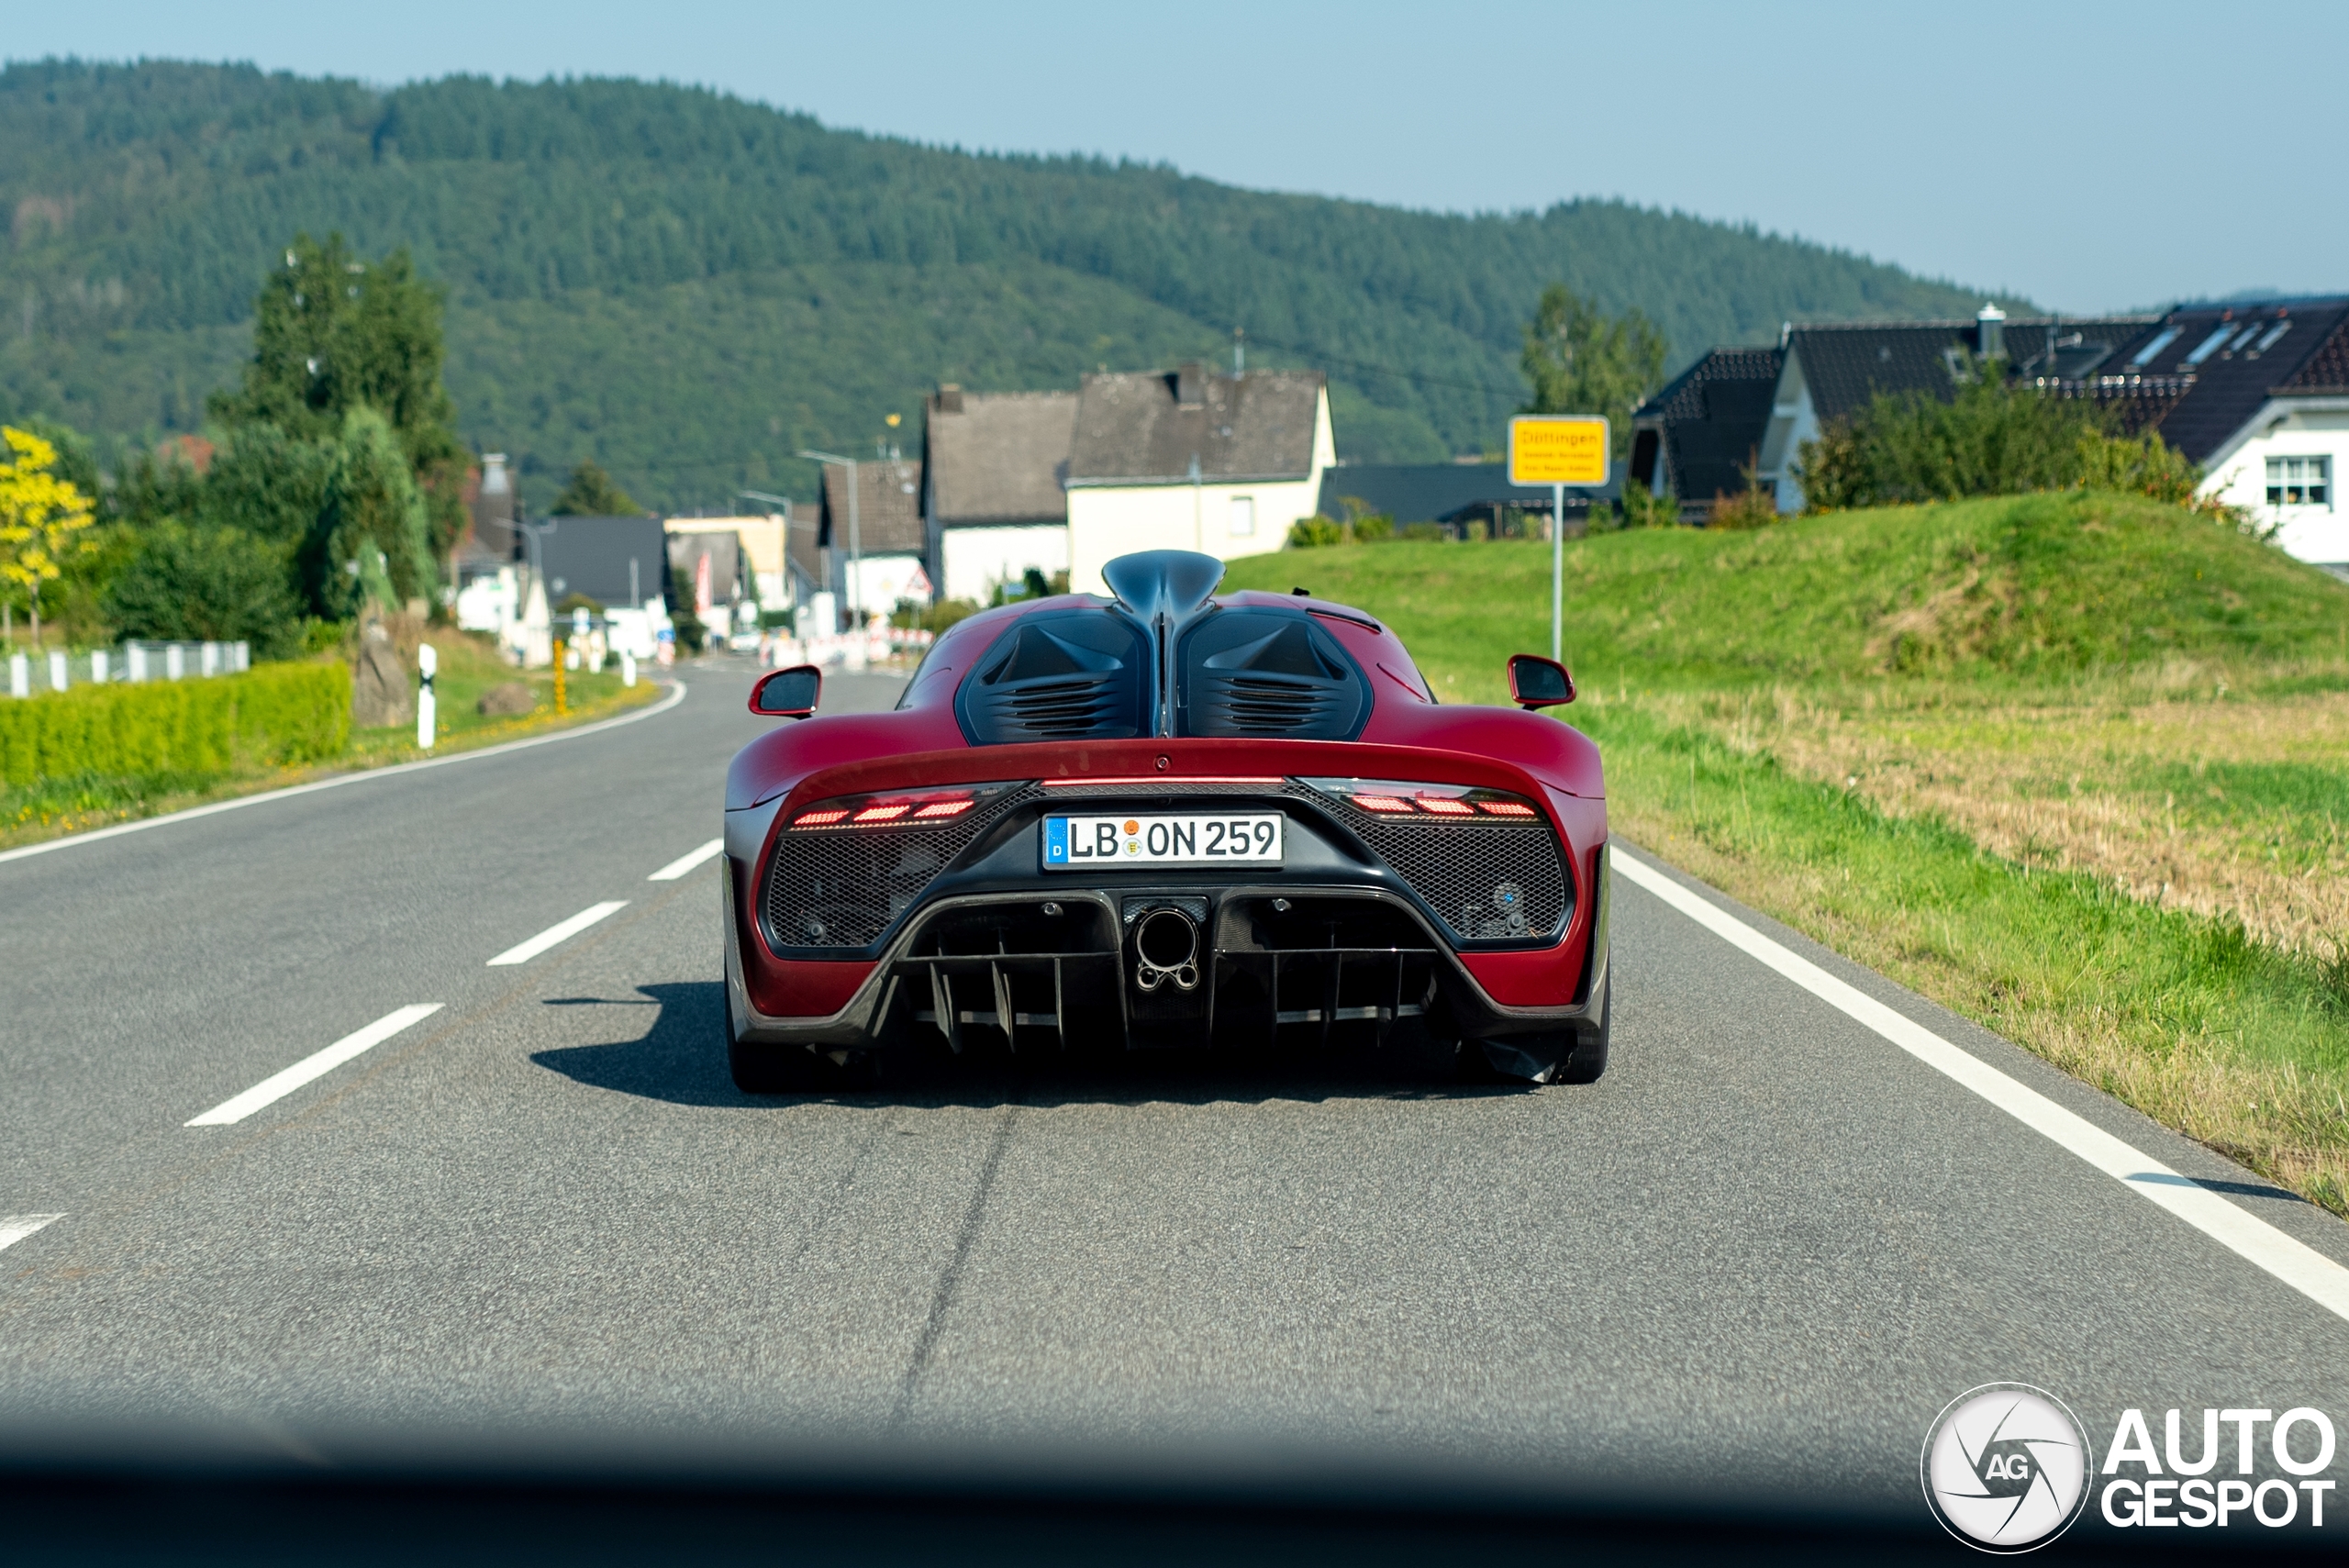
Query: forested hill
(691, 288)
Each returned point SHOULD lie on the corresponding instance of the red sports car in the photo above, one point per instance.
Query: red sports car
(1165, 819)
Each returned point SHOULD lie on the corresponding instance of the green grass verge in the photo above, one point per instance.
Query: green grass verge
(2238, 1044)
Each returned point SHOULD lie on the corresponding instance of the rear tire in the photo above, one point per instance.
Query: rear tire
(1588, 1062)
(781, 1070)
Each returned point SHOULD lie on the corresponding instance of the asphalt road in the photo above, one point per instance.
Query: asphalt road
(1762, 1252)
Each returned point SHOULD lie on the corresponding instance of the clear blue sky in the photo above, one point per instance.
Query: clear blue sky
(2089, 156)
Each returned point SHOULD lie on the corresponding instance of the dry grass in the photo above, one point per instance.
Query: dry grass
(2117, 783)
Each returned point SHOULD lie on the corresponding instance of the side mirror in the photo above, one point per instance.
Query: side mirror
(787, 694)
(1535, 682)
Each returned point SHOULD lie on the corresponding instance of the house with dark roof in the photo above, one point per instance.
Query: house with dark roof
(1827, 372)
(1703, 434)
(2258, 395)
(2264, 410)
(1452, 494)
(994, 471)
(882, 527)
(1193, 460)
(618, 562)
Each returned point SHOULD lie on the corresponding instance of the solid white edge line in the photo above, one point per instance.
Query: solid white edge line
(2299, 1265)
(686, 862)
(676, 694)
(523, 953)
(15, 1227)
(277, 1085)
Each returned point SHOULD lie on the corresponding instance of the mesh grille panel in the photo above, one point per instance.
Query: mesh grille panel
(1487, 881)
(842, 887)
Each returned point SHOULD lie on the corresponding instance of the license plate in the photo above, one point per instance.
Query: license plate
(1074, 843)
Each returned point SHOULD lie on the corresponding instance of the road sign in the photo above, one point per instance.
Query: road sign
(1557, 449)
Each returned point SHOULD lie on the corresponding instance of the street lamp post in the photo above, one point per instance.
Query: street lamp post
(856, 542)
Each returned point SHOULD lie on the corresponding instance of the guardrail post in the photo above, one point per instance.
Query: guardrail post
(99, 666)
(57, 673)
(174, 662)
(20, 675)
(134, 661)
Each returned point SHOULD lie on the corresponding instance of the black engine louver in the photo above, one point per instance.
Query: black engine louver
(1084, 675)
(1266, 674)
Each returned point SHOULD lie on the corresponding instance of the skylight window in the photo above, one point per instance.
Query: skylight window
(2146, 355)
(2248, 334)
(2274, 333)
(2212, 344)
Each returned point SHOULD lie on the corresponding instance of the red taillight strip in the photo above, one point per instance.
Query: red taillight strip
(937, 808)
(818, 818)
(1153, 779)
(1504, 808)
(1443, 806)
(1382, 803)
(882, 813)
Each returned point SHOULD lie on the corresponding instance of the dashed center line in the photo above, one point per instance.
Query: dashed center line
(686, 862)
(278, 1085)
(523, 953)
(15, 1227)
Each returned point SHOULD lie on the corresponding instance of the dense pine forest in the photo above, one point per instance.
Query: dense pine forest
(690, 288)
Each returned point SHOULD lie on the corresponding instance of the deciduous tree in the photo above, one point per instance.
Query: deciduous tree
(590, 492)
(1582, 361)
(41, 514)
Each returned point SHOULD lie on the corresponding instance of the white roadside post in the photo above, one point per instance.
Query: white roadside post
(20, 675)
(1558, 450)
(428, 706)
(57, 673)
(627, 667)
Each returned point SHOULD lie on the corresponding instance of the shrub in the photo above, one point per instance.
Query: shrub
(206, 583)
(940, 616)
(278, 714)
(1751, 507)
(1315, 533)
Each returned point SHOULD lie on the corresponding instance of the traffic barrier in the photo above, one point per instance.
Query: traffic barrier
(849, 650)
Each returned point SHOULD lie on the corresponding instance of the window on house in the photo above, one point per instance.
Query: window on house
(1243, 515)
(2144, 356)
(2273, 334)
(2210, 345)
(2300, 482)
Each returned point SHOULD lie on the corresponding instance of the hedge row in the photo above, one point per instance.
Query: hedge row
(279, 712)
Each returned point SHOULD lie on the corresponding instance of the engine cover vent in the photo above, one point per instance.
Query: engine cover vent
(1066, 675)
(1267, 674)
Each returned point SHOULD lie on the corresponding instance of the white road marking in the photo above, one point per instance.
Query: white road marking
(2299, 1265)
(523, 953)
(15, 1227)
(315, 1065)
(686, 862)
(676, 696)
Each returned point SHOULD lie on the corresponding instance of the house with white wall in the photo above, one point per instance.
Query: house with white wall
(2256, 393)
(1192, 460)
(2268, 417)
(995, 468)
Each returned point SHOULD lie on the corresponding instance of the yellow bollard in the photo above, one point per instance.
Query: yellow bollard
(560, 703)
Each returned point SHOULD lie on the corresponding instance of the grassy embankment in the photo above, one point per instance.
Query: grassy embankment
(2076, 766)
(468, 666)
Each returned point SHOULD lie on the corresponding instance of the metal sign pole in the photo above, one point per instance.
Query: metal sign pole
(1557, 571)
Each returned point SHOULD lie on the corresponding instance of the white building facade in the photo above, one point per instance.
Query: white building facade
(1220, 464)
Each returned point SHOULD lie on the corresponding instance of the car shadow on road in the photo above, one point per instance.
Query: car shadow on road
(680, 1058)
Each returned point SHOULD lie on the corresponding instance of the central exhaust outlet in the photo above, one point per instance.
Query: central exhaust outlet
(1166, 947)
